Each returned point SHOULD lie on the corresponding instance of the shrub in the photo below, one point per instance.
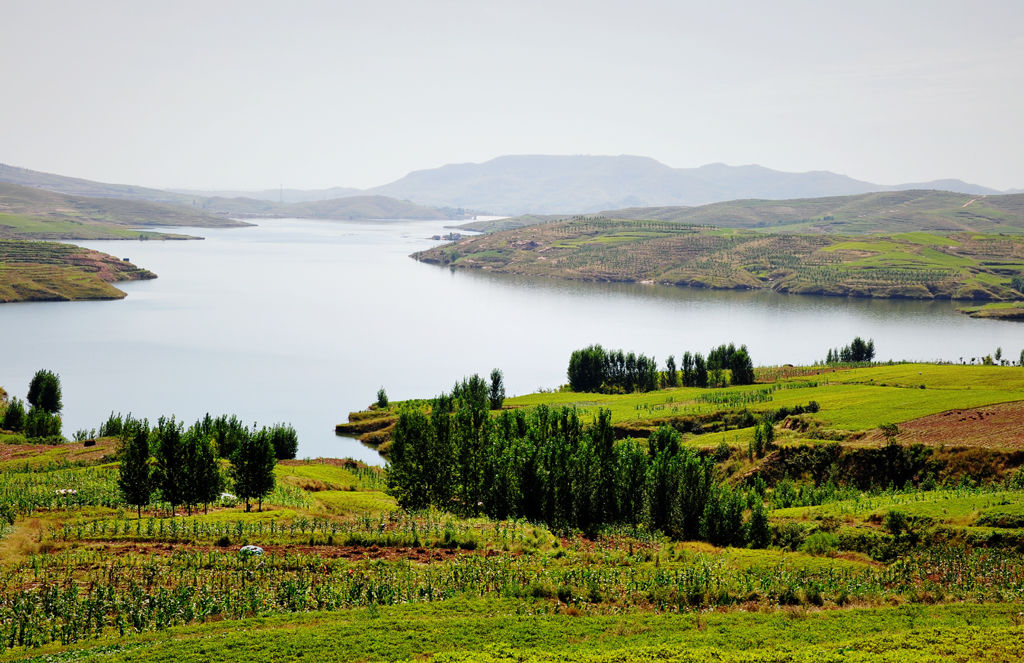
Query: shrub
(821, 543)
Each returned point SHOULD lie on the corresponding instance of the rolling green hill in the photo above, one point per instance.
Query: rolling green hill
(348, 208)
(919, 265)
(886, 212)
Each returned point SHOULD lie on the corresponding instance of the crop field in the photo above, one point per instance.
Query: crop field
(52, 271)
(917, 265)
(926, 570)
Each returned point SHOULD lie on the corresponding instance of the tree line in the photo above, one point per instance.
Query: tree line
(857, 351)
(594, 369)
(543, 464)
(180, 465)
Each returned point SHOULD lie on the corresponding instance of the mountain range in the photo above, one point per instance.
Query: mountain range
(510, 185)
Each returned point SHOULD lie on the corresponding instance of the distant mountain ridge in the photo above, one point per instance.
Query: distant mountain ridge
(520, 184)
(535, 184)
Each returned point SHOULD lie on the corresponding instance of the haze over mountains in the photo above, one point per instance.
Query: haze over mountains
(510, 185)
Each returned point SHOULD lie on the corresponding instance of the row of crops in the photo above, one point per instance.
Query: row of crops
(69, 597)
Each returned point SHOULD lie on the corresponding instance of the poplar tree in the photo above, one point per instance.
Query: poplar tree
(136, 476)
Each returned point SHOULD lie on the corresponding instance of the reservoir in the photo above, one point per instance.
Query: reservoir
(302, 321)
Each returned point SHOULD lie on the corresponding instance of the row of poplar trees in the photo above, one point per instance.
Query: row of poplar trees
(180, 465)
(594, 369)
(543, 464)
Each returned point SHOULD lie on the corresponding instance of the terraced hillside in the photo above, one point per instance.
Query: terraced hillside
(48, 271)
(958, 265)
(883, 212)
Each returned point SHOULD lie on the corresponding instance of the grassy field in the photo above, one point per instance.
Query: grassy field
(48, 271)
(853, 403)
(347, 574)
(918, 265)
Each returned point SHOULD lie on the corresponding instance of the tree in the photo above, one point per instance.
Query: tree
(14, 415)
(382, 398)
(40, 423)
(135, 480)
(171, 473)
(999, 354)
(252, 468)
(671, 374)
(44, 391)
(285, 441)
(497, 394)
(758, 534)
(586, 369)
(741, 367)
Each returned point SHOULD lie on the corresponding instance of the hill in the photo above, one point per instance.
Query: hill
(895, 211)
(48, 271)
(963, 265)
(80, 187)
(29, 212)
(539, 184)
(350, 208)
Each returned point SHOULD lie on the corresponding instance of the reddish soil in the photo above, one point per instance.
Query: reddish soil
(76, 451)
(997, 427)
(421, 555)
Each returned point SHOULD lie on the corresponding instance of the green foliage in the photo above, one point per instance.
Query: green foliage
(14, 416)
(382, 398)
(171, 472)
(252, 468)
(40, 423)
(135, 480)
(497, 392)
(44, 391)
(593, 369)
(284, 440)
(858, 351)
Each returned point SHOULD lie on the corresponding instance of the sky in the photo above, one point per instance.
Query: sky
(306, 94)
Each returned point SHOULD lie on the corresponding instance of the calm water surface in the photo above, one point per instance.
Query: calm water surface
(302, 321)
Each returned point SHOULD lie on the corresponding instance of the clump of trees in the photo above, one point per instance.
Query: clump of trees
(595, 369)
(545, 465)
(736, 360)
(180, 465)
(858, 351)
(43, 416)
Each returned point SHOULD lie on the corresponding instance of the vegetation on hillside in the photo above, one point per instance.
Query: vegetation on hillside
(48, 271)
(556, 527)
(917, 265)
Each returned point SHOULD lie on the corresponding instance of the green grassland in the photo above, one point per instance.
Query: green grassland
(918, 265)
(48, 271)
(853, 401)
(348, 575)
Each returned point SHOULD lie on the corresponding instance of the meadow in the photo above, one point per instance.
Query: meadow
(928, 570)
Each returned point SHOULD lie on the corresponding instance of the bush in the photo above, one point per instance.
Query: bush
(382, 398)
(821, 543)
(789, 535)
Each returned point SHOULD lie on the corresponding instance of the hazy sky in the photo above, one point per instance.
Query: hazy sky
(314, 94)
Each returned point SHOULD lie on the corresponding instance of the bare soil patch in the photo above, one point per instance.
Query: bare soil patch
(996, 427)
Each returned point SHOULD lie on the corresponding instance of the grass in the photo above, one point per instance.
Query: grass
(16, 226)
(502, 630)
